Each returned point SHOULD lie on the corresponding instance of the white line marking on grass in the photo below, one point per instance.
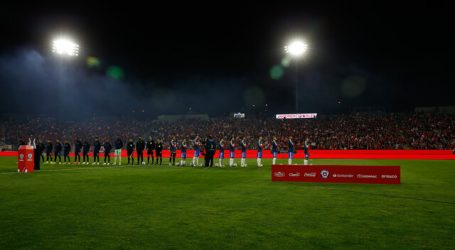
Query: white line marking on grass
(65, 169)
(82, 168)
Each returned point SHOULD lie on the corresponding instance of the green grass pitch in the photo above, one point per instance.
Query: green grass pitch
(80, 207)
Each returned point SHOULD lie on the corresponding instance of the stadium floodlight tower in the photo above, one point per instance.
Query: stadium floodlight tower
(65, 47)
(296, 49)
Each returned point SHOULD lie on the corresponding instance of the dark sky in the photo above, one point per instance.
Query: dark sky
(217, 58)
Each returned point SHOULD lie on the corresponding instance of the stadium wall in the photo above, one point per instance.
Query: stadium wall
(323, 154)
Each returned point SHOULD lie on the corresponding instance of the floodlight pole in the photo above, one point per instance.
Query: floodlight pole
(296, 86)
(296, 49)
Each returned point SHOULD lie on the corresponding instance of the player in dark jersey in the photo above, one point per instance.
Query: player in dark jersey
(291, 150)
(150, 146)
(96, 152)
(259, 153)
(42, 147)
(130, 150)
(140, 146)
(39, 147)
(107, 153)
(183, 149)
(306, 151)
(221, 154)
(85, 151)
(118, 151)
(210, 148)
(66, 152)
(243, 146)
(49, 148)
(197, 151)
(159, 152)
(232, 153)
(57, 151)
(274, 150)
(173, 152)
(77, 151)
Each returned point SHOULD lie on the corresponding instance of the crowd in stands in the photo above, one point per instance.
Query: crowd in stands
(353, 131)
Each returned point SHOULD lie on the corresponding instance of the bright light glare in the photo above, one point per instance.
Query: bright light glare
(296, 48)
(66, 47)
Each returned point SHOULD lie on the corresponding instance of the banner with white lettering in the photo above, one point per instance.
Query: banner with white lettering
(296, 116)
(337, 173)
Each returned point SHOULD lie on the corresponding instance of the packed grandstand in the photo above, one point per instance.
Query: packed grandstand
(353, 131)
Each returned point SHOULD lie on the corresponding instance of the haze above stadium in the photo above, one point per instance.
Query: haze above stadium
(224, 58)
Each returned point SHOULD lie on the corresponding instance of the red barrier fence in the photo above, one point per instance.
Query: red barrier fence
(337, 174)
(384, 154)
(8, 153)
(323, 154)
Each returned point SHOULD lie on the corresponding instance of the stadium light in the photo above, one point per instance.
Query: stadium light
(65, 47)
(296, 49)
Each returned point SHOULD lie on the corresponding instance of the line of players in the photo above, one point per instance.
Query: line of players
(154, 151)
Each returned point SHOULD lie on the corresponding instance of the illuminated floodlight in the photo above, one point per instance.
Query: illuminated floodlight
(65, 47)
(296, 48)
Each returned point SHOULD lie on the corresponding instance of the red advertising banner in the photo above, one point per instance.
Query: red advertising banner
(337, 174)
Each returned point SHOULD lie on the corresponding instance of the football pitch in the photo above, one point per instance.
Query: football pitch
(80, 207)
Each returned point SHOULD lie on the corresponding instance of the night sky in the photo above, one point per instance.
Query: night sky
(217, 58)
